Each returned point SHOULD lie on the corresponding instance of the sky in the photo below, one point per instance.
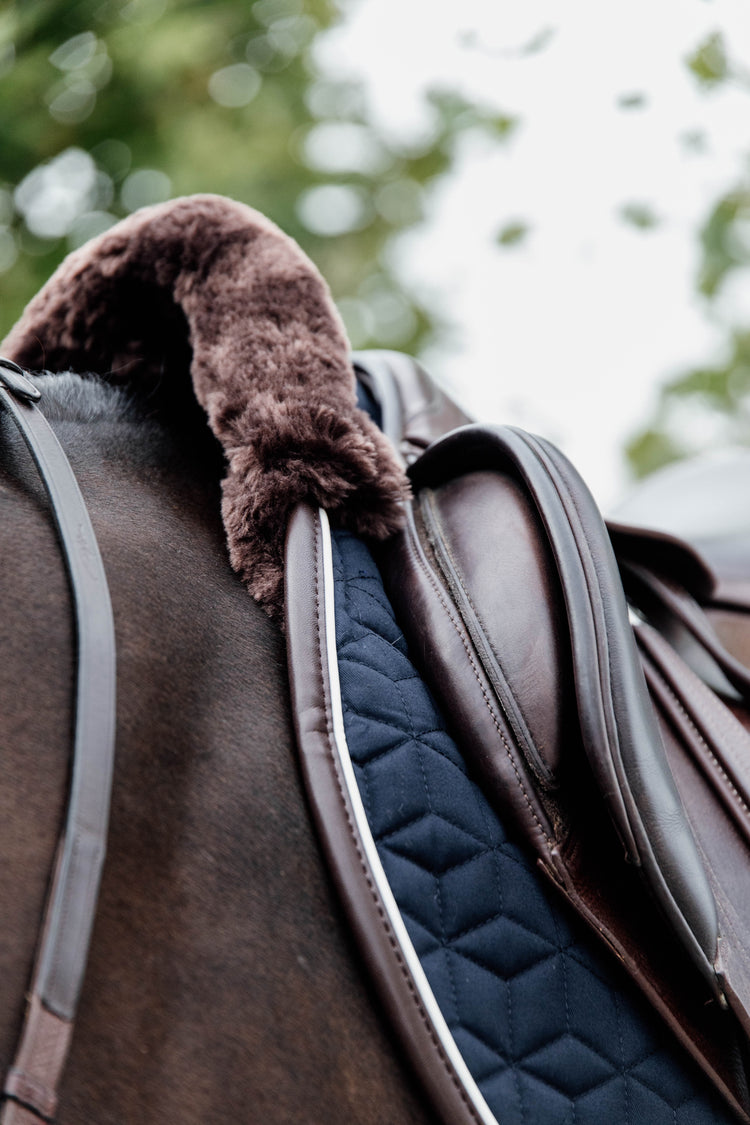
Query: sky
(570, 331)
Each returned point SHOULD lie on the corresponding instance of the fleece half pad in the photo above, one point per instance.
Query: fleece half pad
(211, 284)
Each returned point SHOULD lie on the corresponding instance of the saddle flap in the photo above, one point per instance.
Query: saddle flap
(565, 535)
(529, 667)
(508, 589)
(665, 553)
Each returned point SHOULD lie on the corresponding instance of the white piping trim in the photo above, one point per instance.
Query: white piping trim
(421, 984)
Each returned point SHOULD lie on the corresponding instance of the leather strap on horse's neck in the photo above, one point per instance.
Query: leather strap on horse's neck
(30, 1088)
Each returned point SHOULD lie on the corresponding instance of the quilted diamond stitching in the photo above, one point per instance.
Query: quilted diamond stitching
(551, 1031)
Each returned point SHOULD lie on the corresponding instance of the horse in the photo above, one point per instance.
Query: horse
(223, 980)
(222, 983)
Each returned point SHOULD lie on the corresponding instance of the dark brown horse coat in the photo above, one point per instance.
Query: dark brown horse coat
(222, 985)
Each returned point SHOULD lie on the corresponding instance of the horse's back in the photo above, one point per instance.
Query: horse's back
(221, 982)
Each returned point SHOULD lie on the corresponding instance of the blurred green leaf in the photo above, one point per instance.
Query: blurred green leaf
(512, 234)
(724, 386)
(724, 239)
(635, 100)
(718, 395)
(540, 41)
(694, 140)
(651, 450)
(456, 114)
(711, 383)
(639, 215)
(721, 391)
(709, 61)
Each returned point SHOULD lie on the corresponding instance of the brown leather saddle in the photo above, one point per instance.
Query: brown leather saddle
(595, 679)
(550, 643)
(625, 768)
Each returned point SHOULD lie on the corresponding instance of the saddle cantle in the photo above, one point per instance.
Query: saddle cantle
(508, 590)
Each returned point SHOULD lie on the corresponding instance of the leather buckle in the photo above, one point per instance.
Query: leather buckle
(13, 378)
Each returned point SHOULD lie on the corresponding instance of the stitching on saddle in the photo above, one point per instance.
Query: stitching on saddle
(628, 1071)
(730, 916)
(624, 1070)
(462, 637)
(404, 741)
(484, 848)
(743, 808)
(431, 868)
(372, 595)
(364, 866)
(621, 1045)
(480, 619)
(560, 484)
(346, 658)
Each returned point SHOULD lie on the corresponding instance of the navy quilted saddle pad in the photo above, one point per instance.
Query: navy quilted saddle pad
(550, 1029)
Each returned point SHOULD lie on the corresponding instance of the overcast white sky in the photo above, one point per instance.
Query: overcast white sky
(569, 332)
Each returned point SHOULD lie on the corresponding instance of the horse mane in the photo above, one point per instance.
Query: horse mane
(70, 396)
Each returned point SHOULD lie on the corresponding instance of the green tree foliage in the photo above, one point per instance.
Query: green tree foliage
(709, 407)
(107, 106)
(513, 233)
(639, 215)
(709, 61)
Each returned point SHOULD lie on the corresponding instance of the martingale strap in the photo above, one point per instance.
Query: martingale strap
(30, 1089)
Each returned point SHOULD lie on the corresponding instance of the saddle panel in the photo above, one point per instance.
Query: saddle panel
(344, 829)
(549, 1028)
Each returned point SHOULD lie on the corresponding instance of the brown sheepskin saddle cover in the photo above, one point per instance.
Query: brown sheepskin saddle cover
(209, 283)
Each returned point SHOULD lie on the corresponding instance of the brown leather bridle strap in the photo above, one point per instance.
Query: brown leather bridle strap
(31, 1084)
